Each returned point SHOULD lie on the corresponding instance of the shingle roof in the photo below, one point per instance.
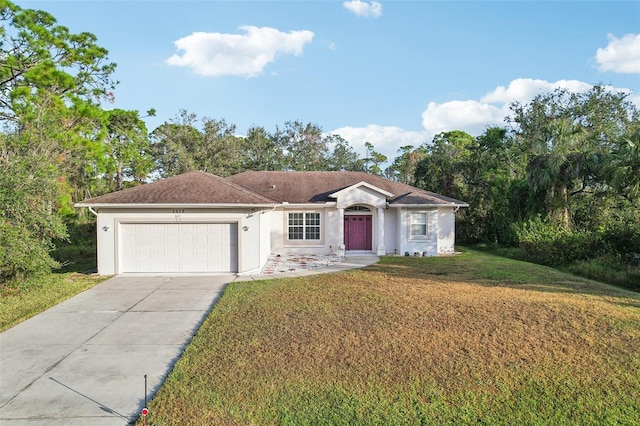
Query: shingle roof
(263, 187)
(188, 188)
(310, 187)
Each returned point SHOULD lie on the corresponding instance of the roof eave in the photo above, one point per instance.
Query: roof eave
(175, 205)
(288, 205)
(430, 205)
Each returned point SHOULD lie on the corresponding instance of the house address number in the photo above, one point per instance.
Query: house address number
(177, 211)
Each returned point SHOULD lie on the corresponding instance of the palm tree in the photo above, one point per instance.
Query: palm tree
(623, 168)
(562, 163)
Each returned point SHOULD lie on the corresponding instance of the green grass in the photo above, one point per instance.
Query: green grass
(468, 339)
(608, 269)
(20, 300)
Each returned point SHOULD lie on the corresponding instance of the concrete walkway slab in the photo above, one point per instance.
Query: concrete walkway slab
(83, 361)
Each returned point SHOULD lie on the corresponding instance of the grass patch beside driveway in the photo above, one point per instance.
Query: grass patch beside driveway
(20, 300)
(469, 339)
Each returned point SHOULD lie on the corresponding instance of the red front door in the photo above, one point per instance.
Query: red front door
(357, 232)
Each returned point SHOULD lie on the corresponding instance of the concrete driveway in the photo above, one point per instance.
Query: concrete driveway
(83, 361)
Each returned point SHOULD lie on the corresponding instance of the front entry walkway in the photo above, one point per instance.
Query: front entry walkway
(83, 361)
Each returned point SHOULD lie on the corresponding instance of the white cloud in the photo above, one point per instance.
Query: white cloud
(362, 8)
(525, 89)
(634, 99)
(474, 116)
(215, 54)
(385, 139)
(470, 116)
(622, 55)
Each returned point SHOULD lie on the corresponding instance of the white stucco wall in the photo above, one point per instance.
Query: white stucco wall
(446, 230)
(253, 232)
(391, 241)
(333, 232)
(422, 246)
(266, 217)
(441, 238)
(277, 231)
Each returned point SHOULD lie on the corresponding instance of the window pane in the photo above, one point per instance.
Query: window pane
(313, 226)
(419, 218)
(418, 224)
(313, 233)
(313, 219)
(296, 219)
(296, 233)
(417, 229)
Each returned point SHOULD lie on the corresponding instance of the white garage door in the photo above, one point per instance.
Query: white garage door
(178, 247)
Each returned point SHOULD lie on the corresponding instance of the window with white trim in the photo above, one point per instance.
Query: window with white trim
(304, 226)
(419, 227)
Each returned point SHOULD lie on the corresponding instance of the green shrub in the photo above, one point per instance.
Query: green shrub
(622, 240)
(22, 254)
(548, 244)
(78, 252)
(608, 270)
(606, 254)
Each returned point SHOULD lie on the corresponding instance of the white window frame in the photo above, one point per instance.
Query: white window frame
(306, 227)
(425, 223)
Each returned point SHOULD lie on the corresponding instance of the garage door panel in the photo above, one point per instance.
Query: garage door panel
(178, 247)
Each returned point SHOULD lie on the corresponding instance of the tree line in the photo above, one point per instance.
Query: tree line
(559, 183)
(212, 145)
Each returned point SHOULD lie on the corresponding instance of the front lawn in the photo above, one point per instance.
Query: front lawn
(468, 339)
(20, 300)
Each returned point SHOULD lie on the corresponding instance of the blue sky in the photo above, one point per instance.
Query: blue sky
(391, 72)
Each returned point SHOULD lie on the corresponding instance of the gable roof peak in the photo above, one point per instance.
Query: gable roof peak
(361, 184)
